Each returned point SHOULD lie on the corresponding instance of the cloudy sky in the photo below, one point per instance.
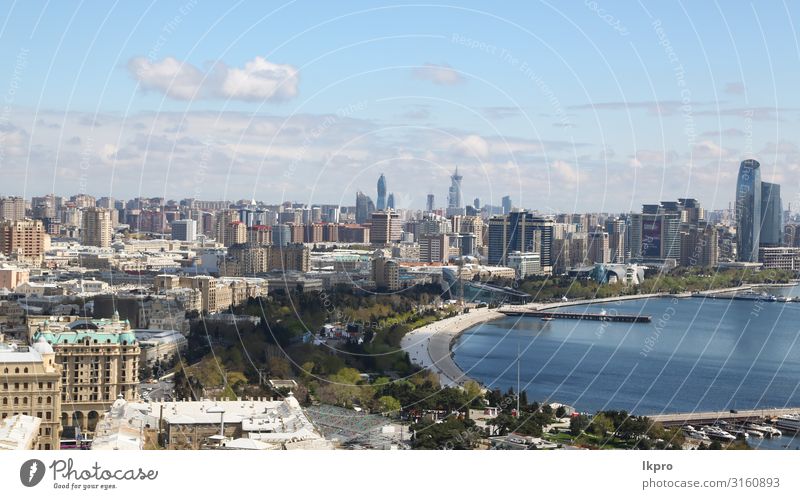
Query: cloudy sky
(595, 106)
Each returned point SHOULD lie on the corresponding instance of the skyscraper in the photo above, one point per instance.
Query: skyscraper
(748, 210)
(364, 207)
(506, 202)
(771, 215)
(520, 231)
(97, 229)
(381, 193)
(454, 193)
(429, 205)
(390, 201)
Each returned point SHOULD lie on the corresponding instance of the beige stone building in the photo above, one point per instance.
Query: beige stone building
(97, 228)
(24, 239)
(31, 386)
(99, 361)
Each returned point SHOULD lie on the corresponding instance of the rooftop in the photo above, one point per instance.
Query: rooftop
(18, 432)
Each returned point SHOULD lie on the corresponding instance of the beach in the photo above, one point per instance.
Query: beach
(429, 346)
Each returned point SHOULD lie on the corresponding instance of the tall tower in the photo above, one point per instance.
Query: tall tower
(97, 228)
(454, 194)
(381, 193)
(430, 203)
(748, 211)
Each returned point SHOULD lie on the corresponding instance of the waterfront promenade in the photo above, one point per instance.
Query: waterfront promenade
(429, 346)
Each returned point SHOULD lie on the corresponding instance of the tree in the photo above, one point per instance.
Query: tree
(578, 424)
(472, 389)
(388, 404)
(602, 425)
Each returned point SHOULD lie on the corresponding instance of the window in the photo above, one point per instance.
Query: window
(16, 370)
(24, 400)
(48, 414)
(39, 400)
(16, 400)
(49, 400)
(25, 370)
(5, 402)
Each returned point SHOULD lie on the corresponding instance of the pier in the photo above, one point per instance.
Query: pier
(577, 315)
(710, 417)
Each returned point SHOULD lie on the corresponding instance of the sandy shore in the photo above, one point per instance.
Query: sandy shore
(429, 346)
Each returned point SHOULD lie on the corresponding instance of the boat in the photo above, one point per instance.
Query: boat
(547, 319)
(715, 433)
(766, 430)
(789, 422)
(696, 434)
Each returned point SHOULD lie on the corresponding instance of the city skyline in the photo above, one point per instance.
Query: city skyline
(186, 108)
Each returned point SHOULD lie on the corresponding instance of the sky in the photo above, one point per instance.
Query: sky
(565, 106)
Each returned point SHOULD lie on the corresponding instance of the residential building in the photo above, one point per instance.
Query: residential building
(97, 229)
(23, 239)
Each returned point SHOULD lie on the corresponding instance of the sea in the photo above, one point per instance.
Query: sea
(697, 354)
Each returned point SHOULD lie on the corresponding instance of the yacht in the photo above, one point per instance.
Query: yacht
(693, 433)
(767, 430)
(790, 422)
(715, 433)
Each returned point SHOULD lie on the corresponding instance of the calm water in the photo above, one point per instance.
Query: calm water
(696, 355)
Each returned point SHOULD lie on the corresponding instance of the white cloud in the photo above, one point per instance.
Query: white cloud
(176, 79)
(258, 80)
(441, 74)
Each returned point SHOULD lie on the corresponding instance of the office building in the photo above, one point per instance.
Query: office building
(364, 208)
(434, 248)
(454, 195)
(381, 206)
(771, 215)
(385, 227)
(598, 247)
(525, 264)
(430, 203)
(506, 204)
(520, 231)
(184, 230)
(748, 211)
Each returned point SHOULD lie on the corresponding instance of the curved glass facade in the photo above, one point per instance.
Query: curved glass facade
(748, 210)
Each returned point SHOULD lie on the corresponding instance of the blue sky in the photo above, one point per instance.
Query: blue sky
(579, 106)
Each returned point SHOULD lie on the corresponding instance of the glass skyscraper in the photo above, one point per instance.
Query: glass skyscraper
(381, 193)
(771, 215)
(748, 211)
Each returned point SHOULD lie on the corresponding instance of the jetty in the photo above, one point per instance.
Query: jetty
(586, 316)
(710, 417)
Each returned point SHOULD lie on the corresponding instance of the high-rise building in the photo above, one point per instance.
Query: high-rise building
(364, 207)
(430, 203)
(24, 239)
(260, 235)
(476, 203)
(506, 203)
(699, 245)
(96, 227)
(390, 201)
(598, 248)
(771, 215)
(235, 233)
(281, 235)
(381, 206)
(434, 248)
(385, 227)
(221, 223)
(385, 273)
(12, 208)
(31, 385)
(520, 231)
(748, 210)
(454, 193)
(184, 230)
